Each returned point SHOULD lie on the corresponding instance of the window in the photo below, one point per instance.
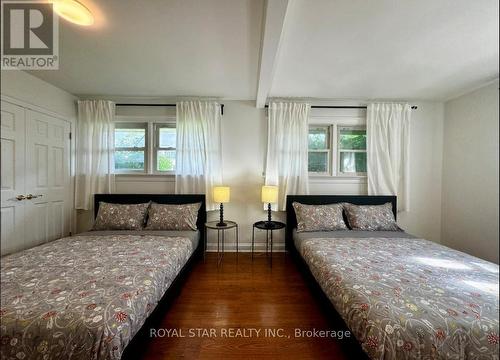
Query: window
(165, 141)
(130, 147)
(352, 151)
(349, 159)
(147, 147)
(319, 149)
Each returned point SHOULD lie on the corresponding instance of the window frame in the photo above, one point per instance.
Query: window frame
(134, 125)
(335, 119)
(328, 150)
(150, 157)
(156, 146)
(339, 150)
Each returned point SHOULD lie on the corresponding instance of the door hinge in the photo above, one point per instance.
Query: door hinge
(70, 135)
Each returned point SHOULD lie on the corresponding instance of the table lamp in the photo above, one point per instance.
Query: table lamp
(221, 195)
(269, 196)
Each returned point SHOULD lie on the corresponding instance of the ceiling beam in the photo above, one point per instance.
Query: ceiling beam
(274, 24)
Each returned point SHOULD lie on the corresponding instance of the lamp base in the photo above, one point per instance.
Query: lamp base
(221, 220)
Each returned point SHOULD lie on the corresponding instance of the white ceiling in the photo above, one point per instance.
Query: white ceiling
(387, 49)
(162, 48)
(328, 49)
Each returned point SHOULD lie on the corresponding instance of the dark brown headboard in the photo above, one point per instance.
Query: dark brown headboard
(160, 199)
(291, 220)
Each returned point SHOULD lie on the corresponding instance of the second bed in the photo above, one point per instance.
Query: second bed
(402, 297)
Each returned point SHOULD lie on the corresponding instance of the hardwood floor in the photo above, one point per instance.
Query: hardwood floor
(248, 296)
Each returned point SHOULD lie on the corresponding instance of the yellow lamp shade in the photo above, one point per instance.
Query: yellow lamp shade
(269, 194)
(221, 194)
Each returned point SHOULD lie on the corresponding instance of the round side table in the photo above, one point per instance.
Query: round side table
(220, 236)
(269, 226)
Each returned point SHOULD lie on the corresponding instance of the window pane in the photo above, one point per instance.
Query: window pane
(129, 160)
(165, 160)
(351, 139)
(318, 138)
(352, 162)
(130, 137)
(318, 162)
(167, 137)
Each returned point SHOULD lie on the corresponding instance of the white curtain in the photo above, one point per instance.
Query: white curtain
(94, 151)
(388, 146)
(286, 164)
(198, 166)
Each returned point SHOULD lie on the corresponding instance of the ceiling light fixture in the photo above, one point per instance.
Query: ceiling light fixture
(73, 11)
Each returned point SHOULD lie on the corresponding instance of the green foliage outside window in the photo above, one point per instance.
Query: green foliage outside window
(165, 160)
(350, 161)
(352, 139)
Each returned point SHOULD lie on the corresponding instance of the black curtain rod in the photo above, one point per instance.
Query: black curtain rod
(342, 107)
(168, 105)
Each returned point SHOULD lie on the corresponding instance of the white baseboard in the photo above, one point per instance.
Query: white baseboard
(246, 247)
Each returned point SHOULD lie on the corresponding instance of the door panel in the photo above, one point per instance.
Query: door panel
(58, 229)
(12, 177)
(8, 164)
(57, 167)
(47, 176)
(41, 166)
(39, 213)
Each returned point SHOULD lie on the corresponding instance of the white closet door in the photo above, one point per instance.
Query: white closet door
(13, 221)
(47, 177)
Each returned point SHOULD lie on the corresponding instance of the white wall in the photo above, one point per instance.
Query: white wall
(470, 173)
(31, 90)
(426, 154)
(244, 141)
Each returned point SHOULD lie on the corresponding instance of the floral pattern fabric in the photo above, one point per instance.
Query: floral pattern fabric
(371, 217)
(173, 217)
(121, 216)
(409, 298)
(84, 297)
(319, 217)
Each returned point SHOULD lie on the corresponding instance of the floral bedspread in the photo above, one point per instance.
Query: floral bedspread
(84, 297)
(409, 298)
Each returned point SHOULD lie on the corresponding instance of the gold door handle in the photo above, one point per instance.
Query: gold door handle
(31, 196)
(20, 197)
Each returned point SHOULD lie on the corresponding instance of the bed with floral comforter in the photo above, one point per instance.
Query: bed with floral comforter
(84, 297)
(409, 298)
